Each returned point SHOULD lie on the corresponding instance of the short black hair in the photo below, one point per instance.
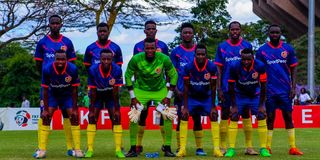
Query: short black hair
(201, 46)
(186, 25)
(102, 24)
(149, 40)
(149, 22)
(53, 16)
(60, 51)
(234, 22)
(106, 50)
(247, 51)
(273, 25)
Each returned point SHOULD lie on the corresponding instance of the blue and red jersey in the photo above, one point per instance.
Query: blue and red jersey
(104, 81)
(161, 47)
(200, 78)
(226, 54)
(278, 61)
(46, 47)
(92, 54)
(248, 81)
(60, 84)
(180, 57)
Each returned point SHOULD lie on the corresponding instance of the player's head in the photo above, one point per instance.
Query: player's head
(106, 56)
(150, 29)
(247, 57)
(274, 32)
(187, 32)
(55, 23)
(150, 48)
(303, 90)
(201, 53)
(103, 32)
(60, 58)
(234, 30)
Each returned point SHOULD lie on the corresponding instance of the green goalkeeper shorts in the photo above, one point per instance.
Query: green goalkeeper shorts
(145, 96)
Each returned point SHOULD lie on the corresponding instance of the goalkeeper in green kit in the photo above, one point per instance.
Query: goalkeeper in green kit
(149, 68)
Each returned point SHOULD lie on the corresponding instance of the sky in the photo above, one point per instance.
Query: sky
(240, 10)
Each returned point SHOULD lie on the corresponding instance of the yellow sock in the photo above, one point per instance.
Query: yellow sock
(215, 130)
(269, 138)
(45, 131)
(223, 133)
(178, 138)
(183, 134)
(140, 135)
(198, 138)
(91, 134)
(67, 132)
(117, 131)
(291, 138)
(162, 134)
(39, 131)
(262, 130)
(233, 131)
(75, 130)
(247, 129)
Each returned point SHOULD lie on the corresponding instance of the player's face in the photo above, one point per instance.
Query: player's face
(150, 30)
(106, 59)
(60, 60)
(55, 24)
(201, 55)
(150, 49)
(274, 34)
(103, 33)
(187, 34)
(246, 60)
(235, 31)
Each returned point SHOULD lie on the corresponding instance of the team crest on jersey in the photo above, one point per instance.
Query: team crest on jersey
(284, 54)
(158, 70)
(207, 76)
(158, 50)
(64, 48)
(112, 81)
(68, 79)
(255, 75)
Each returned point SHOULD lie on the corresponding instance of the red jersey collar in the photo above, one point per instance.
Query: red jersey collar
(63, 71)
(204, 66)
(101, 72)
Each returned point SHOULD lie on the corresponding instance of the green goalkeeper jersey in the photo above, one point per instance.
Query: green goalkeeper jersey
(149, 76)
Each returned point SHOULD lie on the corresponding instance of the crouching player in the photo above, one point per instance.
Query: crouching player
(199, 97)
(149, 68)
(247, 85)
(60, 83)
(104, 81)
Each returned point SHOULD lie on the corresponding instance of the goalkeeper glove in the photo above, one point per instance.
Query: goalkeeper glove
(135, 112)
(166, 111)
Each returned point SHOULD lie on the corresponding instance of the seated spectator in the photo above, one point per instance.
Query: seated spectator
(304, 97)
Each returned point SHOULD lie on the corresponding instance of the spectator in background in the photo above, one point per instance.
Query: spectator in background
(25, 103)
(318, 99)
(304, 97)
(86, 100)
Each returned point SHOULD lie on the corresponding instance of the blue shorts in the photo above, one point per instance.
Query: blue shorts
(198, 106)
(281, 101)
(246, 102)
(62, 102)
(227, 100)
(104, 100)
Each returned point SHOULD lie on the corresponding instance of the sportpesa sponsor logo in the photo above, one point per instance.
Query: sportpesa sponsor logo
(104, 89)
(248, 83)
(233, 59)
(182, 64)
(49, 55)
(277, 61)
(201, 83)
(60, 85)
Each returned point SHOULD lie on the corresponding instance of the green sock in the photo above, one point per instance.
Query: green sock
(133, 133)
(168, 131)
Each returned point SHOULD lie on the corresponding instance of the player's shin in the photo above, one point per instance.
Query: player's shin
(233, 131)
(223, 134)
(183, 138)
(262, 130)
(167, 131)
(39, 131)
(247, 128)
(117, 131)
(140, 135)
(133, 133)
(198, 135)
(91, 133)
(75, 129)
(67, 132)
(291, 138)
(215, 132)
(45, 131)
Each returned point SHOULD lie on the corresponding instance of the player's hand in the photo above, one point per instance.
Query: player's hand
(135, 112)
(220, 95)
(214, 113)
(116, 115)
(45, 116)
(134, 102)
(184, 113)
(292, 93)
(166, 101)
(167, 112)
(234, 112)
(262, 110)
(74, 116)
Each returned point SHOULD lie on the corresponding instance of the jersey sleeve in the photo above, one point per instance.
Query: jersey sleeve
(45, 78)
(233, 73)
(136, 49)
(119, 79)
(132, 65)
(213, 71)
(165, 49)
(173, 58)
(263, 73)
(292, 58)
(118, 56)
(171, 71)
(87, 57)
(91, 82)
(38, 55)
(219, 60)
(259, 55)
(71, 53)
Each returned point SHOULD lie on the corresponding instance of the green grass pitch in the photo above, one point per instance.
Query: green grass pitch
(21, 145)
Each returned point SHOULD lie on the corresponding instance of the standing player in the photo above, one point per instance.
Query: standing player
(247, 87)
(199, 97)
(281, 61)
(104, 81)
(45, 54)
(181, 56)
(60, 83)
(227, 53)
(149, 68)
(92, 54)
(150, 29)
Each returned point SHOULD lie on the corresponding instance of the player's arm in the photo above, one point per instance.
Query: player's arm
(87, 59)
(132, 66)
(38, 57)
(219, 62)
(214, 112)
(118, 57)
(185, 109)
(293, 73)
(231, 84)
(71, 53)
(173, 76)
(263, 90)
(45, 85)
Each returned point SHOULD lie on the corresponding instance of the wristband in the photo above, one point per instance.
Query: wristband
(168, 84)
(170, 93)
(132, 94)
